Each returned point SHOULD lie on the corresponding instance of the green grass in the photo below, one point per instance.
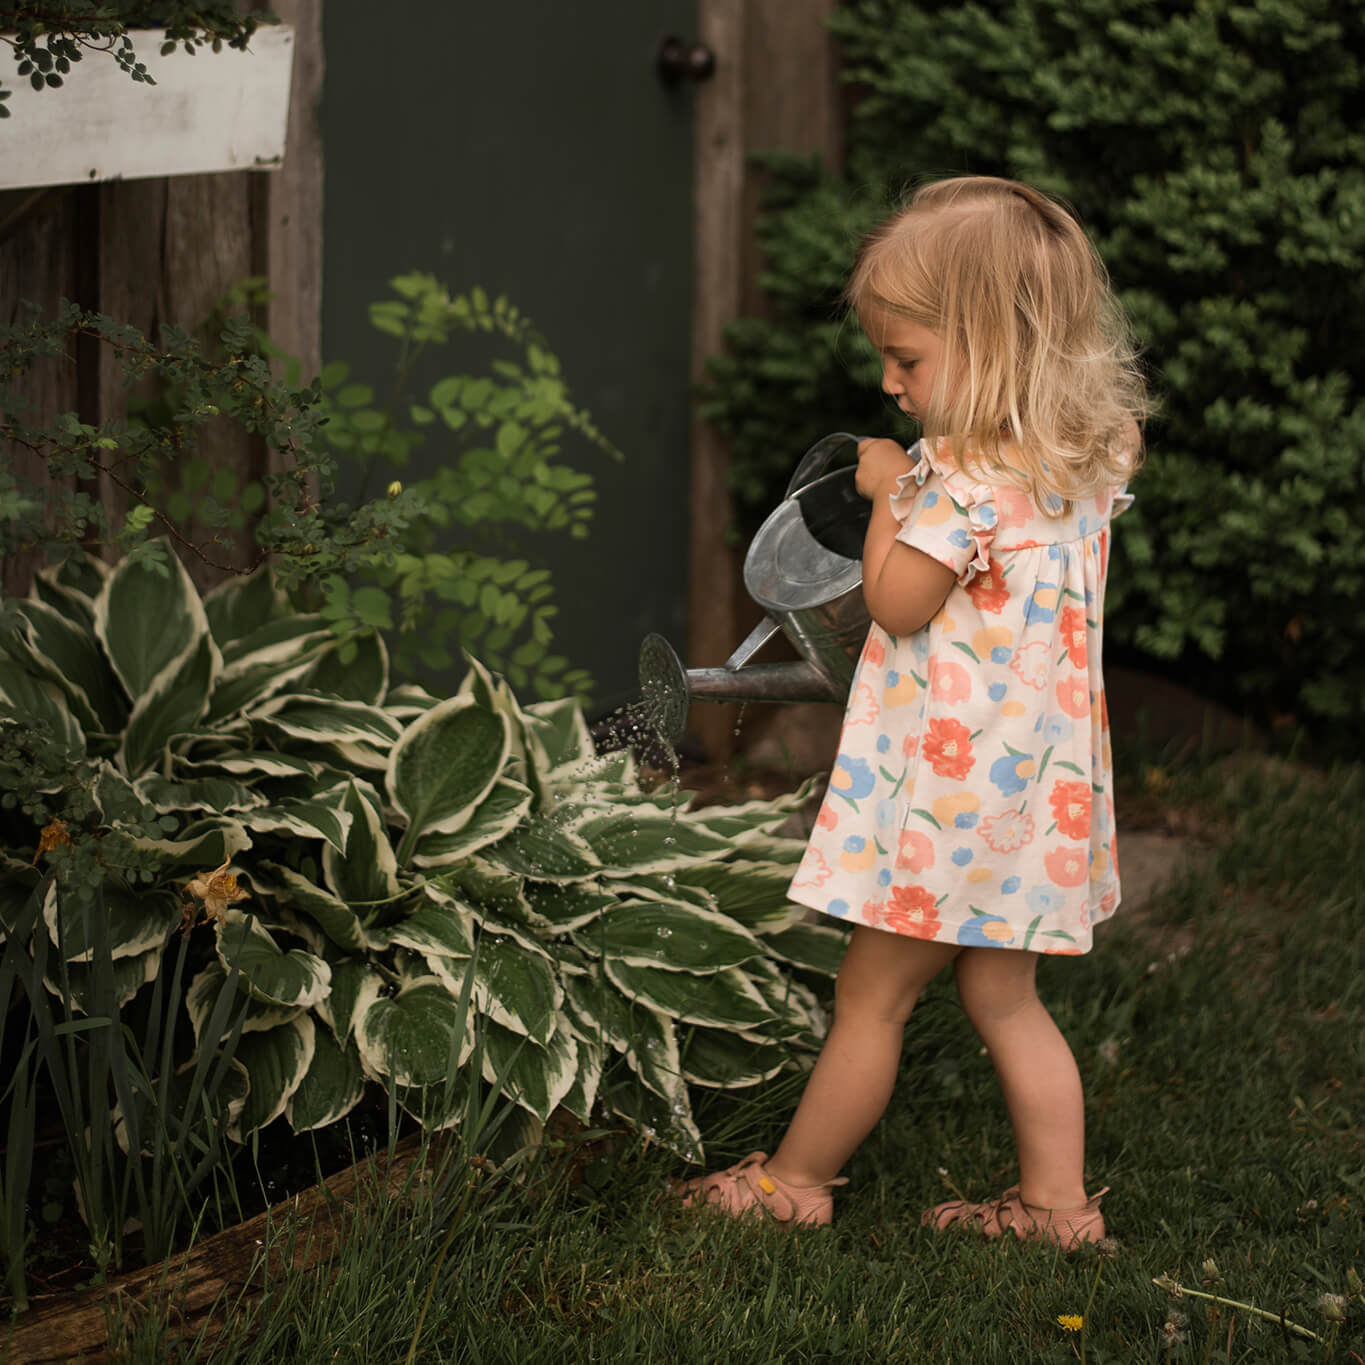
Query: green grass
(1226, 1110)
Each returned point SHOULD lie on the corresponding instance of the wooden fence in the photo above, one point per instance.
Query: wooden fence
(151, 252)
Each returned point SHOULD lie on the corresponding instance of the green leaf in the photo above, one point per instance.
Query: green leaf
(632, 841)
(66, 653)
(334, 917)
(331, 1087)
(725, 999)
(813, 947)
(172, 705)
(516, 987)
(547, 850)
(439, 926)
(410, 1037)
(676, 937)
(270, 973)
(276, 1062)
(538, 1077)
(443, 766)
(31, 700)
(133, 922)
(148, 618)
(500, 812)
(368, 872)
(753, 893)
(722, 1060)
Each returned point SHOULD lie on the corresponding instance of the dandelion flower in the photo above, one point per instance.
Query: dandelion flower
(1073, 1322)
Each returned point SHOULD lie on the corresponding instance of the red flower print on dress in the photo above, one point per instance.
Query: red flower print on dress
(948, 681)
(1070, 802)
(863, 706)
(873, 913)
(988, 591)
(1012, 508)
(911, 910)
(910, 746)
(875, 653)
(814, 870)
(1008, 831)
(828, 818)
(1032, 663)
(1072, 630)
(948, 747)
(1067, 866)
(1073, 694)
(914, 852)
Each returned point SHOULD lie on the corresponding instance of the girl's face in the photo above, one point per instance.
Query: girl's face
(911, 356)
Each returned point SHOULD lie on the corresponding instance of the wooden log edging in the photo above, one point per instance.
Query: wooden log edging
(200, 1289)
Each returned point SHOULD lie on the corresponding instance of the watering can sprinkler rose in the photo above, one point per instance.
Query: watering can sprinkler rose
(804, 568)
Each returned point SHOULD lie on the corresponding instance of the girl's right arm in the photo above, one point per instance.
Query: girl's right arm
(903, 587)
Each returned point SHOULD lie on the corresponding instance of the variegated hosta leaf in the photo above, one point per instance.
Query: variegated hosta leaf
(268, 971)
(67, 654)
(566, 908)
(368, 872)
(444, 766)
(407, 701)
(814, 947)
(633, 841)
(741, 823)
(416, 1037)
(149, 617)
(772, 848)
(134, 922)
(331, 1087)
(203, 844)
(537, 1077)
(256, 1015)
(238, 606)
(33, 700)
(800, 1019)
(672, 1126)
(306, 819)
(720, 1060)
(547, 849)
(82, 573)
(276, 656)
(498, 814)
(725, 999)
(78, 607)
(592, 1053)
(675, 937)
(440, 926)
(77, 985)
(355, 987)
(664, 886)
(496, 897)
(516, 987)
(364, 677)
(753, 893)
(320, 719)
(276, 1063)
(599, 1012)
(561, 729)
(263, 764)
(172, 705)
(206, 793)
(335, 917)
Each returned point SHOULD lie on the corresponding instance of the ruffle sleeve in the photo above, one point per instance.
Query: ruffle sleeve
(945, 514)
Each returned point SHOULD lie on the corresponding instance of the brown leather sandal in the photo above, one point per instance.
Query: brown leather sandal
(748, 1187)
(1066, 1228)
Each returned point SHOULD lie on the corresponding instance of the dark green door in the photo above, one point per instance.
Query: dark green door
(534, 150)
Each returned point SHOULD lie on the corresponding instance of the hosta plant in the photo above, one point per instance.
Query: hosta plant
(353, 851)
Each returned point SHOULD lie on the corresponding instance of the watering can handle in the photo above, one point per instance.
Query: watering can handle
(822, 457)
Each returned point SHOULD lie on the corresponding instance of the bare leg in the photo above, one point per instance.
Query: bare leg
(848, 1091)
(1037, 1073)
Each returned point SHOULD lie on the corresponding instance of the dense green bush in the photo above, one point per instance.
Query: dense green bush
(1214, 152)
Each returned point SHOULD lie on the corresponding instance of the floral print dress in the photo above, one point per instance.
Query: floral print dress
(971, 799)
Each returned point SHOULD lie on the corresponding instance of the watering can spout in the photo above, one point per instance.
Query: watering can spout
(804, 569)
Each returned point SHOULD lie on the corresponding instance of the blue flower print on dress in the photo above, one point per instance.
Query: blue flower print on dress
(1001, 654)
(1042, 605)
(987, 514)
(996, 691)
(852, 778)
(962, 856)
(1011, 773)
(1057, 730)
(959, 538)
(837, 908)
(1009, 886)
(985, 931)
(1044, 900)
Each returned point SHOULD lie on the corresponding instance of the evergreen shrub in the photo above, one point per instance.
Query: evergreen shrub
(1215, 153)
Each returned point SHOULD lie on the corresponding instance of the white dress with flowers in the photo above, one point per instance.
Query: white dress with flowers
(971, 798)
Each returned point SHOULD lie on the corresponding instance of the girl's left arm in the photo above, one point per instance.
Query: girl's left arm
(903, 587)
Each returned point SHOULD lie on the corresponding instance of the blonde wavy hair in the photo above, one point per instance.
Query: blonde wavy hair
(1039, 379)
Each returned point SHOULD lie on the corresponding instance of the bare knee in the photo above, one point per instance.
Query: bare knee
(994, 984)
(883, 974)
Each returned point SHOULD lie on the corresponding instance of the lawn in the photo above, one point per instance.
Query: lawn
(1219, 1031)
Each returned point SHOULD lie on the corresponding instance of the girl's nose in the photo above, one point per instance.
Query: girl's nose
(890, 380)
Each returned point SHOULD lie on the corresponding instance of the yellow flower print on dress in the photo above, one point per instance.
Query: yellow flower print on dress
(858, 854)
(901, 689)
(958, 811)
(986, 642)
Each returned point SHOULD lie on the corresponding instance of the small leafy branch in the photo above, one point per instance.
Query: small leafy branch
(299, 529)
(47, 38)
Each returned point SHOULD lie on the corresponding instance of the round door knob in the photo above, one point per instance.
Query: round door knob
(680, 61)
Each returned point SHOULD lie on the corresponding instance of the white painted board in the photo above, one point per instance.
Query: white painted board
(213, 111)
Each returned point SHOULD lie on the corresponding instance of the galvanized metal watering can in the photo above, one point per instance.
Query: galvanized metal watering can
(804, 568)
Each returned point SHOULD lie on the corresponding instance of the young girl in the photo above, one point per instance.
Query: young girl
(969, 818)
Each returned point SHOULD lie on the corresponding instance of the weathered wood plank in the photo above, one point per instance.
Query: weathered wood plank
(200, 1288)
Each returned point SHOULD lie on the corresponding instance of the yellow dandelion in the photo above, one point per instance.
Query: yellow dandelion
(1073, 1322)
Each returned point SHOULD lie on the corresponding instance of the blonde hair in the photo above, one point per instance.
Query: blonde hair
(1039, 376)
